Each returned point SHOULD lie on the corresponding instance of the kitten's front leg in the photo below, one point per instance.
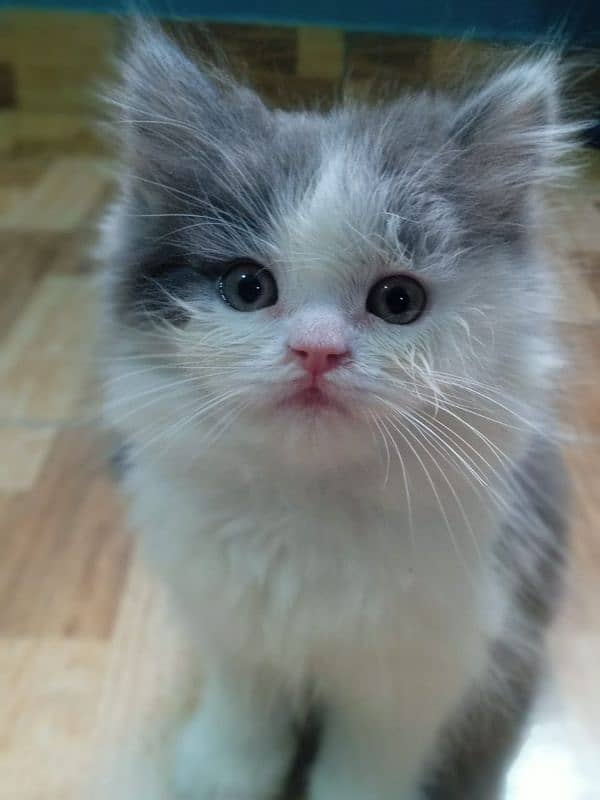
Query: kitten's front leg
(364, 758)
(238, 744)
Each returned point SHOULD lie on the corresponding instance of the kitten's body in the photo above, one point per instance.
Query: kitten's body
(350, 560)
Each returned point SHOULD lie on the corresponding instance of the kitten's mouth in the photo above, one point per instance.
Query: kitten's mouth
(313, 398)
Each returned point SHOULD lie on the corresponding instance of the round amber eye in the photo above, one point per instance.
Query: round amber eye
(247, 286)
(397, 299)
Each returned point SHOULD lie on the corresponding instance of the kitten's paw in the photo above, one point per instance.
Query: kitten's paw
(207, 768)
(336, 780)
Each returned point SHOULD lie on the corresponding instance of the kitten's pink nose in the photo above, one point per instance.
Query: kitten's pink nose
(318, 360)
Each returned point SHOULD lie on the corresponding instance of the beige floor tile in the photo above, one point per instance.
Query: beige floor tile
(63, 199)
(47, 354)
(49, 692)
(24, 451)
(65, 555)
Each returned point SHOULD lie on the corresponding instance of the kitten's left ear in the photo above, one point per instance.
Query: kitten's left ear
(508, 135)
(169, 108)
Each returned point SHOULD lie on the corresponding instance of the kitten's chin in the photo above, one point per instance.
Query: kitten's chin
(320, 445)
(316, 432)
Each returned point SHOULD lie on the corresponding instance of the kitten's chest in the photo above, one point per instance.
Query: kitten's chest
(306, 572)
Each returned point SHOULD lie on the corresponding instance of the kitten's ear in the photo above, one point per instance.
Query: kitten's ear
(508, 135)
(170, 107)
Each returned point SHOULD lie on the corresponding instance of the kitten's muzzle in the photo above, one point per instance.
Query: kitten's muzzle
(319, 360)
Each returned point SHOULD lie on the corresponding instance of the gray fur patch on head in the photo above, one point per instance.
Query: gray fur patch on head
(211, 174)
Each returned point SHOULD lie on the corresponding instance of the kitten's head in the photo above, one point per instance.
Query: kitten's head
(308, 284)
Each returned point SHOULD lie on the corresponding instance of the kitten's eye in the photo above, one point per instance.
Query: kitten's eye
(247, 286)
(398, 299)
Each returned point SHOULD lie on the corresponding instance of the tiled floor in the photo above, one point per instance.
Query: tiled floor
(87, 660)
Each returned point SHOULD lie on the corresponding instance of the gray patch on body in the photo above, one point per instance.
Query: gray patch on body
(480, 743)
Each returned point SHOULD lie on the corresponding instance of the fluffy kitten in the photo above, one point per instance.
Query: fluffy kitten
(331, 359)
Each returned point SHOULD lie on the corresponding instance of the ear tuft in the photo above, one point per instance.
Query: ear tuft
(157, 78)
(511, 130)
(175, 114)
(519, 99)
(518, 117)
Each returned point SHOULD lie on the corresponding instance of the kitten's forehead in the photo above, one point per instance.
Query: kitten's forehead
(359, 195)
(338, 216)
(323, 190)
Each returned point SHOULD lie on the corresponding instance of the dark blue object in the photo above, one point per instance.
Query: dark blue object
(568, 21)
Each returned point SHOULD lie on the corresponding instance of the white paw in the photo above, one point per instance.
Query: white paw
(209, 767)
(340, 780)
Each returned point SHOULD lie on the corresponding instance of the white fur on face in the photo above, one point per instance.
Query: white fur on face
(440, 189)
(474, 347)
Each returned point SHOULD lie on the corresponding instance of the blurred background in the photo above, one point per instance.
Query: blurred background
(87, 660)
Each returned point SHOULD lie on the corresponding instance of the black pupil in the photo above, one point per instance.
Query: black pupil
(397, 299)
(249, 288)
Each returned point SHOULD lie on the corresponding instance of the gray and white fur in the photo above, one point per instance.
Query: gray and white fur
(391, 557)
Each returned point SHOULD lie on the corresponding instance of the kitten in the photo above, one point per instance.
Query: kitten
(331, 358)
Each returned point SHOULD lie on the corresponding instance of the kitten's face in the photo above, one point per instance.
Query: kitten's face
(309, 284)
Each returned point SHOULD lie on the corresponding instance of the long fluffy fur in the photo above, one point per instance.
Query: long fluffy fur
(393, 569)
